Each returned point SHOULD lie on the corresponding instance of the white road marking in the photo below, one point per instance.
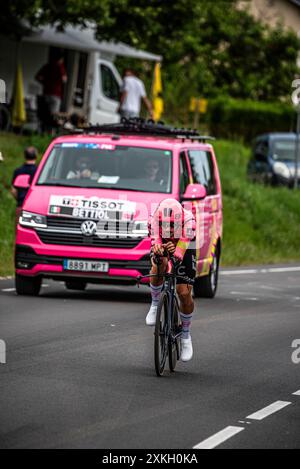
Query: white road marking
(218, 438)
(297, 393)
(238, 272)
(284, 269)
(270, 409)
(238, 293)
(259, 271)
(8, 289)
(267, 287)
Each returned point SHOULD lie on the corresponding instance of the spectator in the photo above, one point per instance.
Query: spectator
(133, 91)
(53, 76)
(29, 167)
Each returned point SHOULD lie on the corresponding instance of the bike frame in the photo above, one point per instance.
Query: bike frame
(170, 289)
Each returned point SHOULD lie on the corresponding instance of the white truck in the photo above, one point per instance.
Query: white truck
(93, 86)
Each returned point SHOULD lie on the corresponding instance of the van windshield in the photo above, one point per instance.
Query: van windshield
(108, 166)
(284, 150)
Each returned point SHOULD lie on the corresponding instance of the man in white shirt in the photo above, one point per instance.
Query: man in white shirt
(133, 91)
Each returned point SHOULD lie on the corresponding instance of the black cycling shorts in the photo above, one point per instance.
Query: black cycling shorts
(187, 268)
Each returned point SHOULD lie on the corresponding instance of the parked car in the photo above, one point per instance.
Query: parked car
(84, 219)
(273, 159)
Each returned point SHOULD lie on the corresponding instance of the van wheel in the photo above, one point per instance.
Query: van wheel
(28, 285)
(206, 287)
(75, 285)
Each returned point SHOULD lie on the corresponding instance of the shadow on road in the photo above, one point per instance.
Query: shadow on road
(115, 294)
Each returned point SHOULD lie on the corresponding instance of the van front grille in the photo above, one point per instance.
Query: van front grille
(78, 239)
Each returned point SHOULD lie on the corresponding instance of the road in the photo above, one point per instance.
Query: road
(79, 368)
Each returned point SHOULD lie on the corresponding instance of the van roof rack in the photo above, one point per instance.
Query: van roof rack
(139, 126)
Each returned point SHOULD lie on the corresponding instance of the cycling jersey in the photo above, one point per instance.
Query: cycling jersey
(180, 232)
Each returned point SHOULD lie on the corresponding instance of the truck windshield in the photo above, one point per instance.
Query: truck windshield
(284, 150)
(108, 166)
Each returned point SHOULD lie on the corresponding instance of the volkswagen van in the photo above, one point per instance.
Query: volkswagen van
(85, 217)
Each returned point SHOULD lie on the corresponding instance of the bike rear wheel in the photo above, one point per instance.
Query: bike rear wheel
(161, 335)
(174, 341)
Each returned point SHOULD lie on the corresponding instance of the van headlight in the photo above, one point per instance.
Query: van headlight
(281, 169)
(140, 228)
(32, 220)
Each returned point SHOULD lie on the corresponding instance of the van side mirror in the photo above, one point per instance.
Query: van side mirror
(194, 192)
(22, 181)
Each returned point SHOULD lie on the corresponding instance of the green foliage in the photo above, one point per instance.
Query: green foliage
(209, 48)
(244, 119)
(261, 223)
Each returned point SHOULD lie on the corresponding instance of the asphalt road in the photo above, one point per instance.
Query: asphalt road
(79, 369)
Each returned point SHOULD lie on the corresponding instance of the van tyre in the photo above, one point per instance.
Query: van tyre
(206, 287)
(28, 285)
(74, 285)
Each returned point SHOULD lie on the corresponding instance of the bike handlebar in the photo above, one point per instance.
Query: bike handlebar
(174, 262)
(188, 280)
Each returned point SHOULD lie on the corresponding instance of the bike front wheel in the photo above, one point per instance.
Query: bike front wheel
(174, 338)
(161, 335)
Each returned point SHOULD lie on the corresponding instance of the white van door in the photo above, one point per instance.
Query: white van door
(105, 94)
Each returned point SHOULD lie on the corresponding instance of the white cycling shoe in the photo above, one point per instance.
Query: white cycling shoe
(186, 349)
(151, 316)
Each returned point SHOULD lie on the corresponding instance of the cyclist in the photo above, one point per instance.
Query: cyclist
(172, 228)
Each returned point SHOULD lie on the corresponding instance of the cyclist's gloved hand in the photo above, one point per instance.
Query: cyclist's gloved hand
(170, 248)
(158, 249)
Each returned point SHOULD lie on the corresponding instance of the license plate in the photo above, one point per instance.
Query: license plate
(85, 266)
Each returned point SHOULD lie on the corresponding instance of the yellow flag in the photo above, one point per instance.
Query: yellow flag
(18, 110)
(203, 105)
(157, 101)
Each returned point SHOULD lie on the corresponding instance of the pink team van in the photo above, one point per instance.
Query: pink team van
(84, 219)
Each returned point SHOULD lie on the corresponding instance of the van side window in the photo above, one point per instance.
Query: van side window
(203, 170)
(184, 174)
(110, 86)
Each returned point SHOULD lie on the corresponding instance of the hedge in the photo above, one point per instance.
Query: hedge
(243, 120)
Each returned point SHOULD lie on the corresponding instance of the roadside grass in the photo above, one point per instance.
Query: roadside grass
(12, 149)
(261, 224)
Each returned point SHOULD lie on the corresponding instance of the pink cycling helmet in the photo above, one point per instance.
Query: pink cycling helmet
(169, 210)
(169, 217)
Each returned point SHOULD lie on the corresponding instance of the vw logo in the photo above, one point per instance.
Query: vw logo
(88, 228)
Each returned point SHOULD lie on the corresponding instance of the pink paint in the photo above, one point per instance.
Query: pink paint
(208, 210)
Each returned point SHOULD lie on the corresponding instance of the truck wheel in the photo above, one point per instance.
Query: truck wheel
(75, 285)
(206, 287)
(28, 285)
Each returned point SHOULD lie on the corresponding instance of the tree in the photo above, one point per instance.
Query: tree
(209, 48)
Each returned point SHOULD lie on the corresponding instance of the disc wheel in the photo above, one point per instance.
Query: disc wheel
(161, 335)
